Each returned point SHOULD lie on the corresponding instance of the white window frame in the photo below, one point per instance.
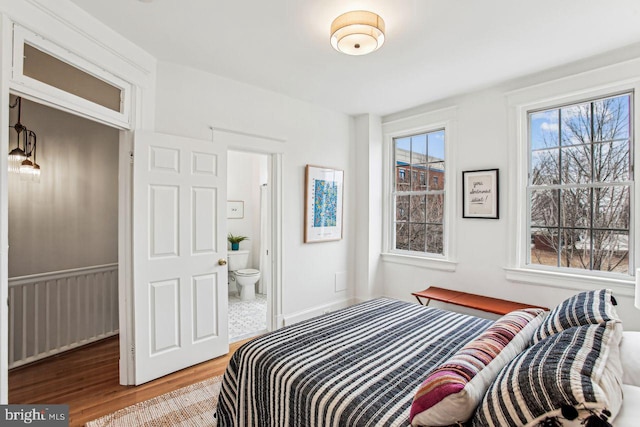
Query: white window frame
(414, 125)
(566, 91)
(50, 95)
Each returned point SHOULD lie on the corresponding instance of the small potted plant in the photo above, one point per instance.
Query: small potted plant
(235, 241)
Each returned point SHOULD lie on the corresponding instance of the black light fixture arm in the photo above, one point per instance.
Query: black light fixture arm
(28, 136)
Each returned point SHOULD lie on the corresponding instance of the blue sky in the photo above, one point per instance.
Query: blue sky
(544, 125)
(431, 144)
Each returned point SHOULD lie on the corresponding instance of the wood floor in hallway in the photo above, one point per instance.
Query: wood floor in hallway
(87, 380)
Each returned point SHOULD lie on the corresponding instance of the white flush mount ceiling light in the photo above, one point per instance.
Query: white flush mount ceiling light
(357, 33)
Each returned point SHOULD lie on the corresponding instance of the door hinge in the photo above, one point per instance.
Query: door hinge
(133, 352)
(131, 157)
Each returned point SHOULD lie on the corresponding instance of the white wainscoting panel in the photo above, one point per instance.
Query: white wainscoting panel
(53, 312)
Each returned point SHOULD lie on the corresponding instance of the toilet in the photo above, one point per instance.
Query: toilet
(245, 278)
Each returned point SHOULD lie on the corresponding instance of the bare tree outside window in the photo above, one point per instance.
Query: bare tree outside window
(580, 184)
(419, 192)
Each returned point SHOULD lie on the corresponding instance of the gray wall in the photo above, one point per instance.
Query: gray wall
(70, 218)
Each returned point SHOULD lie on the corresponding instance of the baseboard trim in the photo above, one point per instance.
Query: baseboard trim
(299, 316)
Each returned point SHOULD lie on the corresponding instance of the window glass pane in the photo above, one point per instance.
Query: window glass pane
(436, 175)
(595, 215)
(544, 207)
(417, 237)
(611, 161)
(543, 129)
(544, 246)
(612, 207)
(544, 167)
(436, 146)
(419, 149)
(418, 209)
(575, 125)
(45, 68)
(575, 248)
(435, 208)
(402, 236)
(435, 239)
(403, 178)
(402, 208)
(611, 118)
(419, 171)
(576, 165)
(611, 251)
(575, 210)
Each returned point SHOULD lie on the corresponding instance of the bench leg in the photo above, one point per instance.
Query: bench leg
(420, 301)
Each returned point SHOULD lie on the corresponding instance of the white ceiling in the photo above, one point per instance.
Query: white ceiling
(433, 49)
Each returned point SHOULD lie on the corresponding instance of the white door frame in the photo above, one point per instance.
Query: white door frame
(274, 291)
(274, 148)
(70, 27)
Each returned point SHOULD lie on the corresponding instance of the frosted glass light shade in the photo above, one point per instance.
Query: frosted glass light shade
(357, 33)
(35, 174)
(26, 170)
(16, 157)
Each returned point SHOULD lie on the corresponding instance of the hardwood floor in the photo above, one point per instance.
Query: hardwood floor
(86, 379)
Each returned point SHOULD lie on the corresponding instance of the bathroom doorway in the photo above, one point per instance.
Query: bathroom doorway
(248, 220)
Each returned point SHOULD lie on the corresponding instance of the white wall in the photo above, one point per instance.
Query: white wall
(246, 172)
(70, 218)
(189, 101)
(484, 141)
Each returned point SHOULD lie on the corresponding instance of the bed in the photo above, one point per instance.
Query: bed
(360, 366)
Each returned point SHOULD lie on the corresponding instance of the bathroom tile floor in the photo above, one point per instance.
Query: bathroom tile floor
(247, 318)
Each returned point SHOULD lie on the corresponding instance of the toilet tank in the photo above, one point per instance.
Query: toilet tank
(238, 260)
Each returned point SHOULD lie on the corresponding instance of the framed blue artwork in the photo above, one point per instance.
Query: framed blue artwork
(323, 204)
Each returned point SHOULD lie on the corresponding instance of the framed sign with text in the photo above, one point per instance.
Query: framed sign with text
(480, 194)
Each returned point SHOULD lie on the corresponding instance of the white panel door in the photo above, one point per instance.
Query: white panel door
(179, 229)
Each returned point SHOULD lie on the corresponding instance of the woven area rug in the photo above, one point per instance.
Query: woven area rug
(191, 406)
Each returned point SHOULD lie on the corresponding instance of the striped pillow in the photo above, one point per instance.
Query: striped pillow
(585, 308)
(453, 390)
(562, 380)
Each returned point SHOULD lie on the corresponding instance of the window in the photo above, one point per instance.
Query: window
(579, 185)
(419, 211)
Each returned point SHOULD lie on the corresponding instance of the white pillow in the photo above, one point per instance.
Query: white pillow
(630, 411)
(629, 351)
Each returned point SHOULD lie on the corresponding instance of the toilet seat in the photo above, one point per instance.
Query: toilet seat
(247, 272)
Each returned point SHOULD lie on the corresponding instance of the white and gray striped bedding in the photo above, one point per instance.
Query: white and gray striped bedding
(356, 367)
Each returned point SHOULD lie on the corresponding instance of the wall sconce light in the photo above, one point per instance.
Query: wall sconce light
(357, 33)
(19, 161)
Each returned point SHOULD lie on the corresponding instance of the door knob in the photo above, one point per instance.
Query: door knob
(222, 261)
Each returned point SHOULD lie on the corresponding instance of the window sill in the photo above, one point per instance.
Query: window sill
(417, 261)
(555, 279)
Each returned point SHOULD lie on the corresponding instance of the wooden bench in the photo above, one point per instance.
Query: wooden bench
(464, 299)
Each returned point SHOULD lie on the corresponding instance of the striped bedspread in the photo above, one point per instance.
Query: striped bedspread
(356, 367)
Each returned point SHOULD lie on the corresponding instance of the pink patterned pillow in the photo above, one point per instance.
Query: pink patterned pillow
(454, 389)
